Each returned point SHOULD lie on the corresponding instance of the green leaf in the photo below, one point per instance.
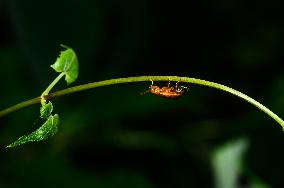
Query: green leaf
(45, 110)
(48, 129)
(67, 63)
(227, 163)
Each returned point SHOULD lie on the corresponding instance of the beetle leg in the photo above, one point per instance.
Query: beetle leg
(177, 84)
(169, 83)
(152, 82)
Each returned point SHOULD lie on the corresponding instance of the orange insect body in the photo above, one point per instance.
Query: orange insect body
(169, 92)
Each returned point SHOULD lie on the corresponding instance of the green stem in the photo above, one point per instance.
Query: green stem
(48, 89)
(145, 78)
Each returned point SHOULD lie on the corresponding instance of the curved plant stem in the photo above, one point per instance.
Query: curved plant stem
(140, 79)
(19, 106)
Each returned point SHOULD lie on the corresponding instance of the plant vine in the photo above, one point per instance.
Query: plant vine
(67, 65)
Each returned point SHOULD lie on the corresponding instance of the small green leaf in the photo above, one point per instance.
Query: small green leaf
(48, 129)
(227, 163)
(45, 110)
(67, 63)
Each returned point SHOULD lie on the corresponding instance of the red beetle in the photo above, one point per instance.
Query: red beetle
(169, 92)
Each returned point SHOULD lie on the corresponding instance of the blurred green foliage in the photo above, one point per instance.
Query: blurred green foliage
(112, 136)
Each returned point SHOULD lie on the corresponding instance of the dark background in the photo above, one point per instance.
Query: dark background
(113, 137)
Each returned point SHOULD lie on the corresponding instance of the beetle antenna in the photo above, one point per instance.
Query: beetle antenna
(143, 93)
